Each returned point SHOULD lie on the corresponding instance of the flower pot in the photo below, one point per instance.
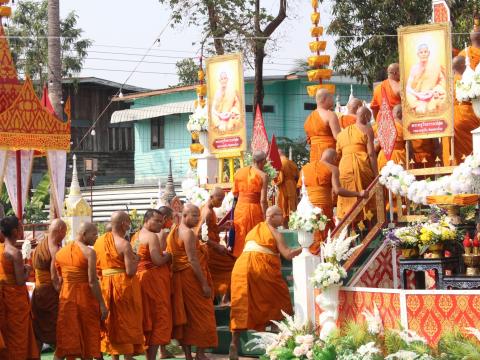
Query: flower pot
(305, 239)
(409, 253)
(435, 251)
(476, 106)
(328, 302)
(203, 139)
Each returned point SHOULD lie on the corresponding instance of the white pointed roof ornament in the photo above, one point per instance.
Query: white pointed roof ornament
(351, 93)
(338, 106)
(160, 201)
(304, 206)
(75, 185)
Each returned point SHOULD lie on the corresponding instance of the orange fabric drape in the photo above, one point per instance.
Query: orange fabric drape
(473, 54)
(286, 182)
(319, 135)
(346, 120)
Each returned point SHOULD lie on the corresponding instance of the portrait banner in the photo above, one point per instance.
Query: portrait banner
(387, 132)
(426, 80)
(226, 105)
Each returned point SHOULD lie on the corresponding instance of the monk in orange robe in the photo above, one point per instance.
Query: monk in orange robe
(473, 52)
(286, 182)
(350, 117)
(358, 164)
(81, 306)
(154, 276)
(322, 181)
(45, 294)
(321, 126)
(424, 151)
(17, 329)
(259, 292)
(220, 261)
(250, 188)
(117, 267)
(391, 88)
(193, 311)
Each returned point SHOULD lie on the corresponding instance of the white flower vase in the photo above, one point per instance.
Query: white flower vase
(305, 239)
(203, 139)
(328, 302)
(476, 106)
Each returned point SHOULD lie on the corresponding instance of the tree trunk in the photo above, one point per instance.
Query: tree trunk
(258, 85)
(54, 60)
(214, 28)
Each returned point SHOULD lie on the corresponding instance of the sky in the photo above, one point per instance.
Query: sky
(123, 31)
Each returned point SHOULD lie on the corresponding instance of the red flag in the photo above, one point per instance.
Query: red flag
(274, 155)
(387, 132)
(46, 101)
(259, 134)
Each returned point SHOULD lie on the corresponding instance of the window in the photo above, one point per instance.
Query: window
(157, 130)
(309, 106)
(265, 108)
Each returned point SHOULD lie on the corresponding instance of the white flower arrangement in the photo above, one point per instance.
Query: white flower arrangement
(408, 355)
(27, 249)
(204, 232)
(327, 274)
(195, 194)
(374, 321)
(395, 178)
(226, 206)
(468, 88)
(410, 336)
(338, 249)
(309, 220)
(198, 121)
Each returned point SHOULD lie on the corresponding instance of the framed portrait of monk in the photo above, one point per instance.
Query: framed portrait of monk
(426, 80)
(226, 104)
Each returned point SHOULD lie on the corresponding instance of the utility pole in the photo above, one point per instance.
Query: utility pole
(54, 57)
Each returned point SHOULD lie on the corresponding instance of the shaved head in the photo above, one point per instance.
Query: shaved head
(397, 112)
(84, 227)
(259, 156)
(120, 222)
(217, 191)
(324, 99)
(459, 64)
(393, 71)
(216, 196)
(353, 105)
(57, 231)
(364, 115)
(57, 225)
(87, 233)
(330, 156)
(273, 210)
(190, 215)
(274, 216)
(189, 209)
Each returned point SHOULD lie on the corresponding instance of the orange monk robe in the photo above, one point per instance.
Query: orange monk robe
(247, 185)
(193, 314)
(287, 186)
(17, 329)
(259, 292)
(319, 135)
(355, 170)
(318, 181)
(393, 99)
(219, 265)
(346, 120)
(423, 149)
(123, 333)
(44, 297)
(78, 327)
(3, 352)
(399, 155)
(473, 54)
(156, 297)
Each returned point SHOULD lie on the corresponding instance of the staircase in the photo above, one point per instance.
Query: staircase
(222, 314)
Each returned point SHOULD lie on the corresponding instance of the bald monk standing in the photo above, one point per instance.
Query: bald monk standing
(81, 304)
(220, 261)
(286, 182)
(390, 87)
(193, 312)
(153, 273)
(117, 265)
(259, 292)
(321, 126)
(473, 51)
(47, 286)
(17, 328)
(358, 164)
(350, 117)
(250, 188)
(322, 181)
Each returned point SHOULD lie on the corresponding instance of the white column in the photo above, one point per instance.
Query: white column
(304, 297)
(476, 141)
(207, 169)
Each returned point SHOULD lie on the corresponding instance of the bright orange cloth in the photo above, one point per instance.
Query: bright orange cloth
(347, 120)
(17, 328)
(247, 184)
(123, 333)
(259, 292)
(393, 99)
(287, 186)
(423, 149)
(156, 297)
(355, 170)
(473, 54)
(220, 266)
(319, 135)
(318, 181)
(78, 333)
(193, 314)
(44, 297)
(398, 155)
(460, 199)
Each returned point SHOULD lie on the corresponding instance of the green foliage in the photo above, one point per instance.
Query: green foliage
(300, 153)
(393, 342)
(352, 337)
(121, 181)
(29, 31)
(187, 72)
(455, 346)
(326, 353)
(35, 206)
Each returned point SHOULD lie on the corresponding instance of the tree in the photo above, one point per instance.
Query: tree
(54, 61)
(233, 25)
(187, 72)
(28, 39)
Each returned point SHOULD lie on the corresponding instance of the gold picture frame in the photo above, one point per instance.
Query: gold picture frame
(426, 78)
(226, 105)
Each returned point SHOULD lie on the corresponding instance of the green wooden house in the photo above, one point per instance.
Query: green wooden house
(160, 119)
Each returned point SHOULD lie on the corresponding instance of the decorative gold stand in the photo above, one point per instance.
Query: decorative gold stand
(472, 264)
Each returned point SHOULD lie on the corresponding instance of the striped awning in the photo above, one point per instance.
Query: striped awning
(149, 112)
